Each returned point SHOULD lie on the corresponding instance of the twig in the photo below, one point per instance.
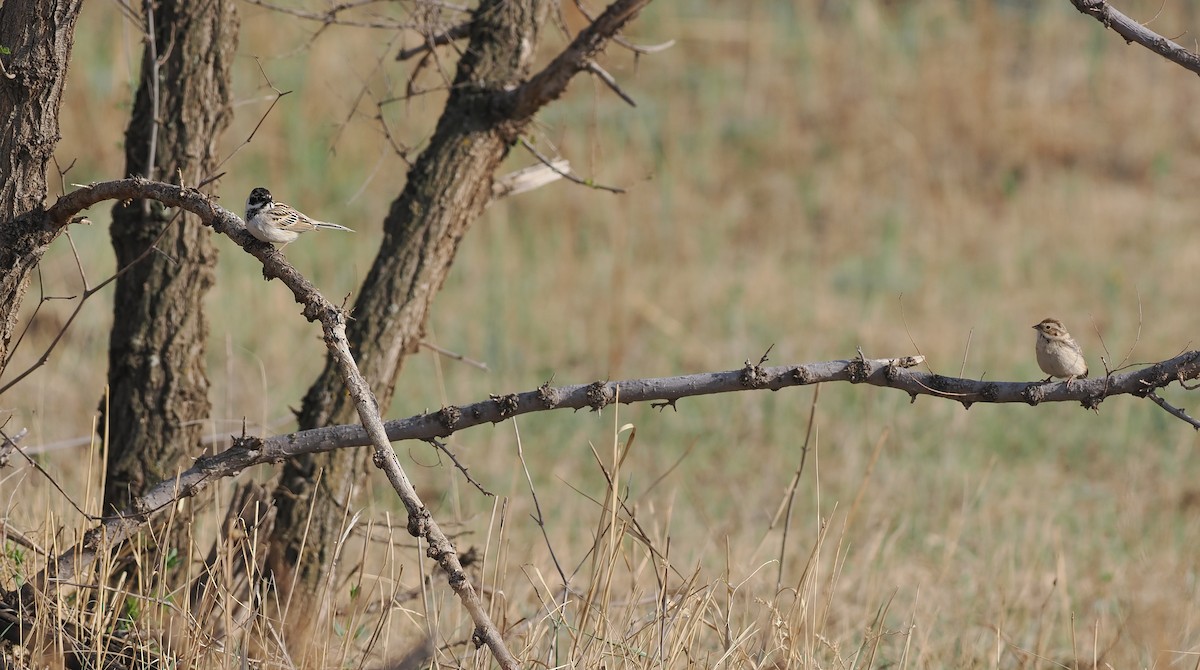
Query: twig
(570, 176)
(10, 534)
(1173, 410)
(87, 293)
(50, 478)
(278, 94)
(547, 85)
(455, 356)
(362, 93)
(635, 48)
(441, 446)
(604, 76)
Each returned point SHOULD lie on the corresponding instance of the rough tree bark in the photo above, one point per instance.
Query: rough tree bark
(158, 385)
(447, 188)
(38, 36)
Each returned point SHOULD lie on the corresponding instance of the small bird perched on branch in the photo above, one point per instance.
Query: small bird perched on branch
(278, 223)
(1058, 354)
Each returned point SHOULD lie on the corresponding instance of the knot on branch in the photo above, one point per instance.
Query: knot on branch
(448, 417)
(93, 541)
(802, 375)
(1033, 394)
(892, 372)
(753, 376)
(312, 309)
(506, 404)
(437, 551)
(1155, 377)
(599, 396)
(548, 395)
(418, 523)
(478, 637)
(858, 370)
(141, 511)
(990, 392)
(247, 442)
(1092, 402)
(457, 579)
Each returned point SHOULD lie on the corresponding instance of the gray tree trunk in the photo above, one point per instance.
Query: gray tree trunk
(158, 387)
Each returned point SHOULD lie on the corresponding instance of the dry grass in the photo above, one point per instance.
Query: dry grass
(790, 177)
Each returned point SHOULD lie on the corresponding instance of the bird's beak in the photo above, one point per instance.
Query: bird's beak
(1035, 326)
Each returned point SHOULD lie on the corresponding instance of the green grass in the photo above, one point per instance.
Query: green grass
(789, 176)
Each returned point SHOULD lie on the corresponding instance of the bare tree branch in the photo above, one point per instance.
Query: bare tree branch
(547, 85)
(609, 81)
(1173, 410)
(563, 168)
(1133, 31)
(333, 324)
(640, 49)
(894, 373)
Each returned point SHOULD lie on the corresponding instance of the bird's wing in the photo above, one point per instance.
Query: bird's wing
(1075, 345)
(287, 218)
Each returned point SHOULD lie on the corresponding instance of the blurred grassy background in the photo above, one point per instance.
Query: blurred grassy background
(805, 175)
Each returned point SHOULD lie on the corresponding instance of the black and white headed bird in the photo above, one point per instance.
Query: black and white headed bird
(272, 221)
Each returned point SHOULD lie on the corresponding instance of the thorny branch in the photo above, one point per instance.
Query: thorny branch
(1133, 31)
(333, 323)
(897, 373)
